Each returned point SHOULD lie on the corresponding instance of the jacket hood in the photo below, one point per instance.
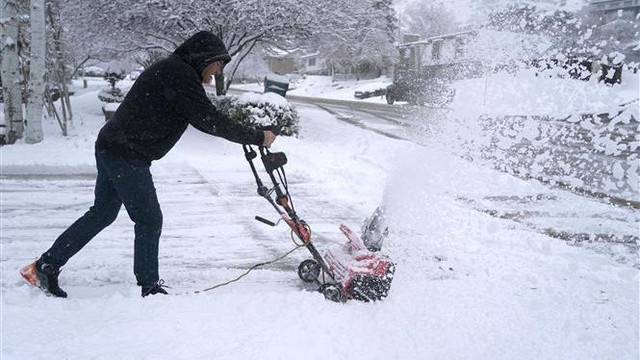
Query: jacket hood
(202, 49)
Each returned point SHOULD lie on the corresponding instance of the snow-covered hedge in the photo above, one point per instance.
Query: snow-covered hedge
(111, 95)
(260, 110)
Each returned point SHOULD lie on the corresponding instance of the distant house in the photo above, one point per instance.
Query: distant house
(469, 53)
(611, 6)
(282, 61)
(303, 61)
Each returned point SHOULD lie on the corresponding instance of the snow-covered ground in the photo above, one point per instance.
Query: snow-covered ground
(468, 285)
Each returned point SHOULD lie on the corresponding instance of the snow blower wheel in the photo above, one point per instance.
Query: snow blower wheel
(309, 270)
(332, 292)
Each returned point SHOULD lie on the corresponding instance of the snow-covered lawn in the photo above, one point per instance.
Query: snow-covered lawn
(468, 285)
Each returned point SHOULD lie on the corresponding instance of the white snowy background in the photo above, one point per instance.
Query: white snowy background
(468, 285)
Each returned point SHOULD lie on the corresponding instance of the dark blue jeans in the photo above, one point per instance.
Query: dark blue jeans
(120, 181)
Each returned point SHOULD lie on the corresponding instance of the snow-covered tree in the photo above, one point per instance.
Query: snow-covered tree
(11, 77)
(124, 27)
(360, 36)
(562, 27)
(581, 33)
(427, 19)
(121, 27)
(617, 32)
(33, 129)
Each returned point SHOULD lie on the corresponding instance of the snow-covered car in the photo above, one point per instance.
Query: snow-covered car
(419, 91)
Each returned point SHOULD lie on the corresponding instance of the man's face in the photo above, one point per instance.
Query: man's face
(212, 69)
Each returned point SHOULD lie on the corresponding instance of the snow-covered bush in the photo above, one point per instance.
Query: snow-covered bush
(260, 110)
(111, 95)
(114, 94)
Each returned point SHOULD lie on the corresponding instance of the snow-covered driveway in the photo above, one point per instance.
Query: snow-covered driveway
(468, 285)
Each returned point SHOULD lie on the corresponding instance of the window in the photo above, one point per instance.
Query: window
(459, 47)
(312, 61)
(435, 50)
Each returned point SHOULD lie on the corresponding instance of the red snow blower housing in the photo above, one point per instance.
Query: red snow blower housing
(355, 270)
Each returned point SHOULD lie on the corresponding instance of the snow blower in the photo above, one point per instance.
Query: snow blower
(355, 270)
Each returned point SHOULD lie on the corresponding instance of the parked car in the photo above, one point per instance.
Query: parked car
(420, 91)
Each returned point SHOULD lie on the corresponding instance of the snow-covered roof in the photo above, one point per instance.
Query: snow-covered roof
(299, 52)
(437, 38)
(310, 55)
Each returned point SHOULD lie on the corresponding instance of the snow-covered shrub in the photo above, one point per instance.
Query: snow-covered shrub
(260, 110)
(113, 94)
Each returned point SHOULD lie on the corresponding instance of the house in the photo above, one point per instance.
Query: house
(282, 61)
(299, 60)
(313, 64)
(469, 53)
(614, 6)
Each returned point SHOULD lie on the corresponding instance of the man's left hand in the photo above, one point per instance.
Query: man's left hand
(269, 137)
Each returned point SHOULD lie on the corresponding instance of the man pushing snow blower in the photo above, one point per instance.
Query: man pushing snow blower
(164, 100)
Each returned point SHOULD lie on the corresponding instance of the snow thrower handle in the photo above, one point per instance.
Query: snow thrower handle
(273, 163)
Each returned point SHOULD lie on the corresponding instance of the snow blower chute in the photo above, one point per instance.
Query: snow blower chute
(355, 270)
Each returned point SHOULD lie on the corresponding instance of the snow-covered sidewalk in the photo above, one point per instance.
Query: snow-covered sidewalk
(468, 285)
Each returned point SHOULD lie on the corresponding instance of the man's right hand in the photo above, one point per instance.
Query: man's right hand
(269, 137)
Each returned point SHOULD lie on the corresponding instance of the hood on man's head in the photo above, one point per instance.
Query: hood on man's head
(202, 49)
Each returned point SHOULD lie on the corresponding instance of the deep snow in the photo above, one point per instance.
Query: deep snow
(468, 285)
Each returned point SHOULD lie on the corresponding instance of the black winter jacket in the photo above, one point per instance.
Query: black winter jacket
(165, 99)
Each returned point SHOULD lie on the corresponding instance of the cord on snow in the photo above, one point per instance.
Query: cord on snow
(298, 246)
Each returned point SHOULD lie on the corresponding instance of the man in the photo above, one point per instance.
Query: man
(166, 98)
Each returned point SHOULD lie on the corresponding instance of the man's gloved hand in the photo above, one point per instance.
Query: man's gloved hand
(269, 137)
(270, 133)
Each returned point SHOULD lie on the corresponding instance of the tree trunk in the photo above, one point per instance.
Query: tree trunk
(11, 84)
(220, 88)
(58, 73)
(33, 130)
